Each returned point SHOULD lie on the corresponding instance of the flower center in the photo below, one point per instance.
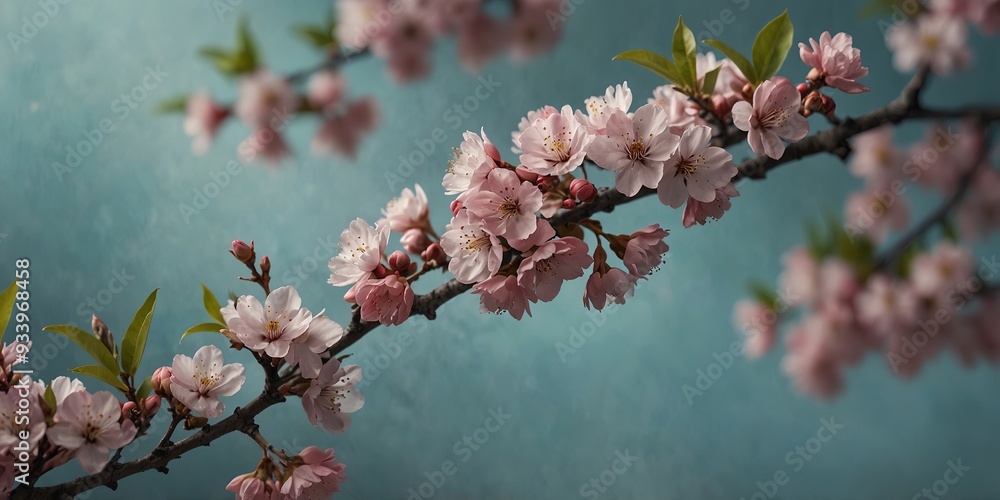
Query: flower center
(691, 165)
(636, 150)
(272, 329)
(931, 42)
(475, 244)
(508, 208)
(545, 266)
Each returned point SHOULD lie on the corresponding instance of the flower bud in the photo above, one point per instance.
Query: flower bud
(583, 190)
(544, 182)
(152, 404)
(193, 422)
(525, 175)
(265, 264)
(130, 410)
(380, 272)
(721, 105)
(803, 89)
(415, 240)
(829, 106)
(103, 334)
(456, 205)
(434, 253)
(492, 151)
(747, 92)
(813, 103)
(161, 381)
(399, 262)
(814, 75)
(243, 252)
(568, 204)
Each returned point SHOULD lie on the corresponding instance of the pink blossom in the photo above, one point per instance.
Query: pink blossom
(332, 396)
(610, 286)
(600, 108)
(14, 420)
(543, 271)
(635, 148)
(480, 38)
(696, 212)
(532, 116)
(475, 253)
(199, 382)
(800, 280)
(361, 250)
(886, 305)
(758, 323)
(875, 157)
(266, 100)
(944, 268)
(944, 155)
(343, 133)
(360, 21)
(271, 328)
(63, 387)
(408, 211)
(506, 205)
(386, 300)
(315, 474)
(305, 350)
(326, 87)
(836, 61)
(266, 143)
(695, 169)
(554, 145)
(773, 116)
(203, 119)
(251, 487)
(933, 39)
(470, 165)
(682, 114)
(980, 213)
(644, 250)
(89, 425)
(543, 233)
(503, 293)
(532, 32)
(405, 43)
(984, 13)
(838, 281)
(808, 361)
(7, 474)
(876, 212)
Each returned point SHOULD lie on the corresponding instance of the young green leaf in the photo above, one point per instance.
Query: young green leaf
(7, 306)
(134, 343)
(89, 343)
(771, 46)
(145, 388)
(246, 49)
(734, 55)
(100, 373)
(653, 62)
(319, 37)
(203, 327)
(764, 294)
(49, 397)
(685, 54)
(708, 85)
(212, 306)
(173, 105)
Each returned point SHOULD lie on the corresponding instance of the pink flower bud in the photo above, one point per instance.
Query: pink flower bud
(721, 105)
(568, 203)
(415, 240)
(265, 264)
(544, 182)
(492, 151)
(583, 190)
(829, 106)
(456, 206)
(399, 262)
(152, 404)
(813, 102)
(129, 410)
(803, 89)
(525, 175)
(814, 75)
(434, 253)
(242, 251)
(161, 381)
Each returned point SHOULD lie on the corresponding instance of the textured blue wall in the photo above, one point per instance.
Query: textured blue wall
(118, 214)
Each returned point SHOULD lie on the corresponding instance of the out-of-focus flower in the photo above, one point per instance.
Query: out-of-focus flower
(203, 119)
(933, 39)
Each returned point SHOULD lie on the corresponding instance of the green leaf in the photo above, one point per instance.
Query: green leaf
(49, 397)
(89, 343)
(708, 85)
(734, 55)
(772, 45)
(949, 230)
(764, 295)
(212, 306)
(246, 49)
(145, 388)
(653, 62)
(319, 37)
(7, 306)
(100, 373)
(685, 54)
(203, 327)
(173, 105)
(134, 343)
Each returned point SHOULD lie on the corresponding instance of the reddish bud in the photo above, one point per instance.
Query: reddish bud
(399, 262)
(242, 251)
(721, 105)
(415, 240)
(492, 151)
(568, 203)
(152, 404)
(161, 381)
(583, 190)
(829, 106)
(265, 264)
(381, 272)
(813, 102)
(804, 89)
(434, 253)
(525, 175)
(130, 410)
(456, 205)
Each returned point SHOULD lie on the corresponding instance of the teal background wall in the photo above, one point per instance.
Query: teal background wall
(118, 214)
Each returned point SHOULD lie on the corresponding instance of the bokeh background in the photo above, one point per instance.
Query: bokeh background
(118, 216)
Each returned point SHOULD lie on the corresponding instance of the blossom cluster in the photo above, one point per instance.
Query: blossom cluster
(938, 36)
